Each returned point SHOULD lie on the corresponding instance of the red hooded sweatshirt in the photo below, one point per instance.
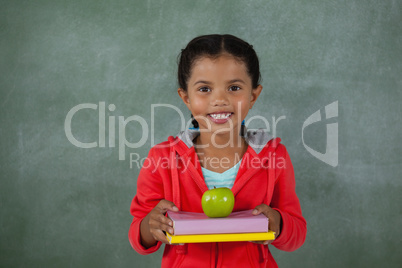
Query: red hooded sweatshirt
(172, 171)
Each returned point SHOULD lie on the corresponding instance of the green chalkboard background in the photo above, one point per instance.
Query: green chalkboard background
(65, 206)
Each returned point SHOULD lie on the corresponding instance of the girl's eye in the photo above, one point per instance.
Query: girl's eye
(204, 89)
(234, 88)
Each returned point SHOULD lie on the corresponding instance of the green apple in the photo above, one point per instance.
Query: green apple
(218, 202)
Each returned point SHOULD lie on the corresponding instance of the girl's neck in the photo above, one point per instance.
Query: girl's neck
(219, 141)
(222, 147)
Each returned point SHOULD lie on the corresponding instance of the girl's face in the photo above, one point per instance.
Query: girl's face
(219, 93)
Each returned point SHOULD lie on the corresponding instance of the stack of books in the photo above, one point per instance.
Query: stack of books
(192, 227)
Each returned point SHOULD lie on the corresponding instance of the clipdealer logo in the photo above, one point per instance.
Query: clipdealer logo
(330, 156)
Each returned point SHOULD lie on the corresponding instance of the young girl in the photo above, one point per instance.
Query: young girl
(219, 82)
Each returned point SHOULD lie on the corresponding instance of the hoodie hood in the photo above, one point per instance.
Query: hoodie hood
(256, 138)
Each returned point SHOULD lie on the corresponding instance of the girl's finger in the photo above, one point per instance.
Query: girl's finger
(160, 236)
(266, 242)
(158, 217)
(258, 209)
(165, 205)
(158, 225)
(161, 218)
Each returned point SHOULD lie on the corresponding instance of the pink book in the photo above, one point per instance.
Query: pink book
(187, 223)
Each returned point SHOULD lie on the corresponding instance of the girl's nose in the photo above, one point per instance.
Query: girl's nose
(220, 98)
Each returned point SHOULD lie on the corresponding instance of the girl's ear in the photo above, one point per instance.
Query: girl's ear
(184, 96)
(255, 92)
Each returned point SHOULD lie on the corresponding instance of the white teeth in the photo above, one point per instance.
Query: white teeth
(220, 116)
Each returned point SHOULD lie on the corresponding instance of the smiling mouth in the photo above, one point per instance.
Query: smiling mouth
(220, 116)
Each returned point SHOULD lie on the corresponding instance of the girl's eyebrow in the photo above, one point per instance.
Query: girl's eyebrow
(236, 81)
(229, 82)
(202, 82)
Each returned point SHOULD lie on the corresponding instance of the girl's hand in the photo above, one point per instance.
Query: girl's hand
(274, 220)
(155, 223)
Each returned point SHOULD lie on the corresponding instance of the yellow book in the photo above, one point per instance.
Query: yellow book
(179, 239)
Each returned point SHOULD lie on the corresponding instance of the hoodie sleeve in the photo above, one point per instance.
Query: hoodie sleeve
(286, 202)
(149, 193)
